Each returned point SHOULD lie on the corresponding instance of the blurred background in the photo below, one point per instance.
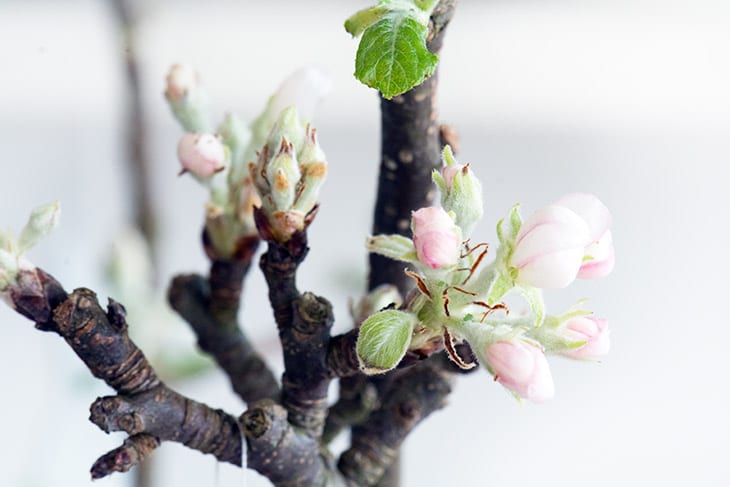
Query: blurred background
(627, 99)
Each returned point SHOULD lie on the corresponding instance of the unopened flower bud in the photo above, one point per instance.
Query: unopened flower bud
(187, 98)
(593, 331)
(522, 368)
(599, 257)
(549, 248)
(304, 88)
(435, 237)
(377, 299)
(461, 192)
(201, 154)
(181, 80)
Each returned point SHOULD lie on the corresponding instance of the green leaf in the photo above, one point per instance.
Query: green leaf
(383, 340)
(500, 286)
(392, 56)
(363, 19)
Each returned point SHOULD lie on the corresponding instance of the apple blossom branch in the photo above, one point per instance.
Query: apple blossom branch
(210, 306)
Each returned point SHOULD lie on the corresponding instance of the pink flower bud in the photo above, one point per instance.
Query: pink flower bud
(435, 237)
(448, 173)
(599, 255)
(521, 368)
(181, 80)
(594, 331)
(201, 154)
(550, 247)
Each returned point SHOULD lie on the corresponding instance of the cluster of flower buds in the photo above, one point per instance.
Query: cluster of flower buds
(459, 294)
(290, 170)
(42, 221)
(219, 160)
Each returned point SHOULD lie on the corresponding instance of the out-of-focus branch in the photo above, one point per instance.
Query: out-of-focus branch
(408, 400)
(211, 306)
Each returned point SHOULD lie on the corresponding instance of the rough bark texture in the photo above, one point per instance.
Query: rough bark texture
(410, 151)
(210, 306)
(408, 400)
(144, 406)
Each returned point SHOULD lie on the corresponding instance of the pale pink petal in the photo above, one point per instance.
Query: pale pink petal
(602, 258)
(596, 334)
(590, 209)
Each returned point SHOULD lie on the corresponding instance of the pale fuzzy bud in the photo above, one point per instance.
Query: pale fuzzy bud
(181, 80)
(461, 192)
(599, 257)
(290, 169)
(283, 174)
(201, 154)
(42, 221)
(313, 163)
(377, 299)
(593, 331)
(435, 237)
(522, 368)
(549, 248)
(304, 88)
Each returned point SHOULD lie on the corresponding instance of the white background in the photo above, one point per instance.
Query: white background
(626, 99)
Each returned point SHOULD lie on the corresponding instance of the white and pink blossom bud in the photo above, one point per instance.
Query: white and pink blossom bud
(201, 154)
(599, 257)
(593, 331)
(181, 80)
(549, 248)
(435, 237)
(522, 368)
(305, 88)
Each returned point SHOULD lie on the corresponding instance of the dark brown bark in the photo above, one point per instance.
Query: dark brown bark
(304, 322)
(408, 400)
(281, 454)
(144, 405)
(210, 306)
(410, 151)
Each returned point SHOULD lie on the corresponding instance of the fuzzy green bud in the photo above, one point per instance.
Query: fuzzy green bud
(461, 192)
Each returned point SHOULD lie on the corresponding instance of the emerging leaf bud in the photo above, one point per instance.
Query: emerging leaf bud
(42, 221)
(383, 340)
(522, 368)
(461, 192)
(593, 331)
(549, 248)
(435, 237)
(202, 155)
(599, 257)
(290, 170)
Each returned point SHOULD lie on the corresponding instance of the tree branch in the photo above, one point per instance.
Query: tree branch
(211, 306)
(144, 405)
(304, 322)
(408, 400)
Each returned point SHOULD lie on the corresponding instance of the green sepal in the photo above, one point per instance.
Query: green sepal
(501, 285)
(383, 340)
(534, 299)
(508, 228)
(396, 247)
